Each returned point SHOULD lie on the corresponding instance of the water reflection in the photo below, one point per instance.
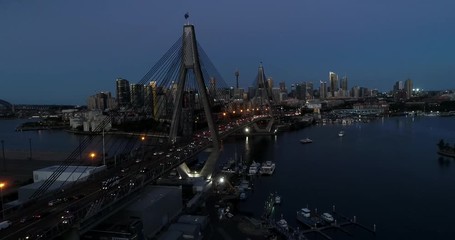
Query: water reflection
(444, 162)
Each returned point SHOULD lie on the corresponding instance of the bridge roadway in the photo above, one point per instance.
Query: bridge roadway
(88, 203)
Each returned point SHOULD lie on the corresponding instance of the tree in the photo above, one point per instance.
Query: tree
(441, 144)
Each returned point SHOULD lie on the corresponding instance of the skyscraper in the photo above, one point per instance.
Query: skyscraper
(323, 90)
(282, 86)
(333, 79)
(408, 88)
(123, 92)
(137, 95)
(344, 86)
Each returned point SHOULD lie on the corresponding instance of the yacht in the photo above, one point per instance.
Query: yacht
(254, 168)
(327, 217)
(304, 216)
(306, 140)
(283, 224)
(267, 168)
(341, 133)
(277, 200)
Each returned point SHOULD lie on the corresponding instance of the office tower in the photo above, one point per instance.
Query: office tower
(333, 80)
(309, 91)
(408, 88)
(282, 86)
(344, 86)
(398, 86)
(323, 90)
(150, 98)
(269, 83)
(123, 92)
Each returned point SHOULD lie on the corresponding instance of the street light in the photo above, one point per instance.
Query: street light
(143, 147)
(92, 156)
(1, 196)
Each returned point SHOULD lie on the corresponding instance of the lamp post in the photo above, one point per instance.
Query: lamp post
(1, 196)
(143, 147)
(30, 147)
(104, 153)
(92, 156)
(4, 159)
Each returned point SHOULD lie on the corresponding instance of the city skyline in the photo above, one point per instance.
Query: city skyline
(70, 51)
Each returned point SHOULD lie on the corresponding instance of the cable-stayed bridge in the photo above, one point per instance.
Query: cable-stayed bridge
(184, 95)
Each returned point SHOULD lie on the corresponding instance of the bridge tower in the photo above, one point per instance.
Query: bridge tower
(263, 94)
(190, 61)
(264, 100)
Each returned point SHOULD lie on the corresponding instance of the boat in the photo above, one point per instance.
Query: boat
(304, 216)
(327, 217)
(283, 224)
(267, 168)
(277, 199)
(254, 168)
(306, 140)
(242, 196)
(341, 133)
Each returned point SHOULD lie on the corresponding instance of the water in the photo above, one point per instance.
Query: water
(59, 142)
(385, 172)
(43, 140)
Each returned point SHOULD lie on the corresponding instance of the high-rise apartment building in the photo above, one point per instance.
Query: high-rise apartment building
(137, 95)
(323, 90)
(101, 101)
(123, 92)
(408, 88)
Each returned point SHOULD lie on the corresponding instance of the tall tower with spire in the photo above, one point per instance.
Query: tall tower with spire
(237, 74)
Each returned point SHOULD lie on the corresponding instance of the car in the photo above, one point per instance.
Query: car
(54, 202)
(40, 215)
(26, 219)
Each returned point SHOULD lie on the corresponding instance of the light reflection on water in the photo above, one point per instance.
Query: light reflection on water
(384, 172)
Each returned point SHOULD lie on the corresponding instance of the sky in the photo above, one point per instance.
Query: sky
(61, 51)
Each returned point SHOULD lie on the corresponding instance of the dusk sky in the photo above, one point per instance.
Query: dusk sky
(60, 52)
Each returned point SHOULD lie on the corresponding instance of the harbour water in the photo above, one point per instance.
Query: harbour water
(385, 172)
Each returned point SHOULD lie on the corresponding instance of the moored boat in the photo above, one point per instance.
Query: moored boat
(267, 168)
(306, 140)
(341, 133)
(283, 224)
(277, 199)
(327, 217)
(254, 168)
(304, 216)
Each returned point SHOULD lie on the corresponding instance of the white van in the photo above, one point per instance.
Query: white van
(5, 224)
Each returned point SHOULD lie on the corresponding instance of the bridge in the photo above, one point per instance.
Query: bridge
(185, 96)
(6, 108)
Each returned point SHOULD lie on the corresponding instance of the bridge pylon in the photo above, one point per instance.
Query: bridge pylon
(190, 61)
